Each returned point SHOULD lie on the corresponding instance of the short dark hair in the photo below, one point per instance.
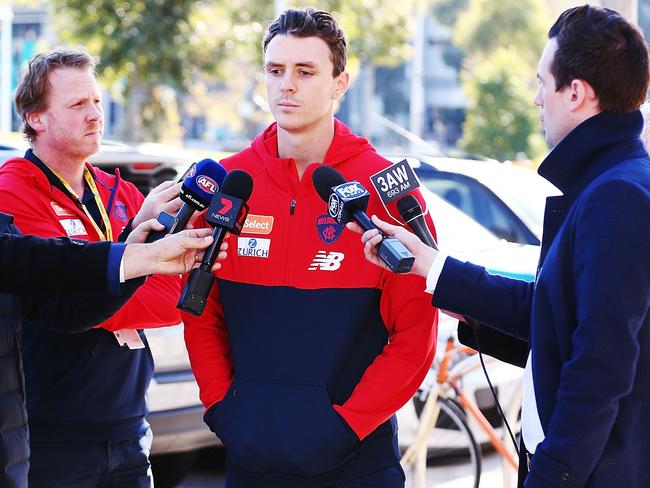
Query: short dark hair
(32, 91)
(599, 46)
(312, 23)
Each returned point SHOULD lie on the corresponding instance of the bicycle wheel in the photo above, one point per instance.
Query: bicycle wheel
(452, 436)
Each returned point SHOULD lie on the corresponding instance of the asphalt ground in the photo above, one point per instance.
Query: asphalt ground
(208, 472)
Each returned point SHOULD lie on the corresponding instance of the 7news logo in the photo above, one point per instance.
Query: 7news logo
(228, 212)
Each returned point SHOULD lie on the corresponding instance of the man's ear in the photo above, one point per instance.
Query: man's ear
(342, 82)
(582, 95)
(35, 121)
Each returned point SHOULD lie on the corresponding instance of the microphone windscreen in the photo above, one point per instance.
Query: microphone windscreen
(207, 178)
(324, 178)
(238, 184)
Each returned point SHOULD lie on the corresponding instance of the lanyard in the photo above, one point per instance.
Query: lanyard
(88, 177)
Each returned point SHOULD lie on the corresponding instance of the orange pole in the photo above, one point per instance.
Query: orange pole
(485, 425)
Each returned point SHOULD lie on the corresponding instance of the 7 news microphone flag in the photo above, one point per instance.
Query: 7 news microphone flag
(227, 213)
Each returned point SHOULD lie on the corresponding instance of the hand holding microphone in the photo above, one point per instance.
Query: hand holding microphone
(163, 197)
(227, 213)
(202, 181)
(346, 202)
(424, 255)
(174, 254)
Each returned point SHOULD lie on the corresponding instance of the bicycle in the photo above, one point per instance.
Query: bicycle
(445, 394)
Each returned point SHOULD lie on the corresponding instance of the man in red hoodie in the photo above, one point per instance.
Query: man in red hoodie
(305, 351)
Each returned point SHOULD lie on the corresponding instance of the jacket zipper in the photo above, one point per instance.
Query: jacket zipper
(289, 247)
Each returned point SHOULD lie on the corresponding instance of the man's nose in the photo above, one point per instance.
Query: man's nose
(287, 84)
(95, 112)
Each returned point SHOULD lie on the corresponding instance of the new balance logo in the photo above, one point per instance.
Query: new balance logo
(327, 261)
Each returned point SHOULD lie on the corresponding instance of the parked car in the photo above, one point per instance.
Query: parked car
(506, 199)
(144, 168)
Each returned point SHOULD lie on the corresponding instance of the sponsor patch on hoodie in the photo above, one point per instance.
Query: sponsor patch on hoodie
(253, 247)
(258, 224)
(60, 211)
(73, 227)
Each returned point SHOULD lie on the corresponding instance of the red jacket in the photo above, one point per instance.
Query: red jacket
(292, 266)
(39, 208)
(85, 387)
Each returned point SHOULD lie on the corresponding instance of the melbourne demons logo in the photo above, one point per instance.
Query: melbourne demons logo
(207, 184)
(328, 229)
(120, 211)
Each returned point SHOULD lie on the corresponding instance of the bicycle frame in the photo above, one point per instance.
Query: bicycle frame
(447, 385)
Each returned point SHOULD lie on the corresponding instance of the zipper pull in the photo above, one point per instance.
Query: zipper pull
(292, 207)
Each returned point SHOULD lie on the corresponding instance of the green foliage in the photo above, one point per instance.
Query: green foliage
(447, 11)
(502, 41)
(143, 45)
(488, 25)
(503, 116)
(377, 29)
(160, 40)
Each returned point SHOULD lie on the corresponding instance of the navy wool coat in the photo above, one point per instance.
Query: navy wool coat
(586, 316)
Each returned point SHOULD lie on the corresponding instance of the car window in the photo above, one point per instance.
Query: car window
(483, 206)
(523, 190)
(495, 217)
(455, 192)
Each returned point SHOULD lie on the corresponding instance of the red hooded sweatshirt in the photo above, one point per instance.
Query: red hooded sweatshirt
(301, 326)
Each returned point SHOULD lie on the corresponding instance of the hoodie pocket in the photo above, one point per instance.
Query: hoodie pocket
(277, 428)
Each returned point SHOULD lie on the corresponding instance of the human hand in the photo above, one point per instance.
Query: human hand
(424, 255)
(141, 232)
(163, 198)
(174, 254)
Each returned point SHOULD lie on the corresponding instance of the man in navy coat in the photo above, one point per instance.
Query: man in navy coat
(586, 411)
(50, 278)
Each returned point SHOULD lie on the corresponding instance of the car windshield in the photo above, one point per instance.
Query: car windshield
(456, 231)
(523, 190)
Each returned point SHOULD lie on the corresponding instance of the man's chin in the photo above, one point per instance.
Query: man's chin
(89, 150)
(290, 125)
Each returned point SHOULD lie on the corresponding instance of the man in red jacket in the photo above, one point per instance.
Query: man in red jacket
(86, 393)
(305, 351)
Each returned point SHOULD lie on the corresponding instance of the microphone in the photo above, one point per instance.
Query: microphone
(411, 211)
(201, 182)
(347, 201)
(227, 212)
